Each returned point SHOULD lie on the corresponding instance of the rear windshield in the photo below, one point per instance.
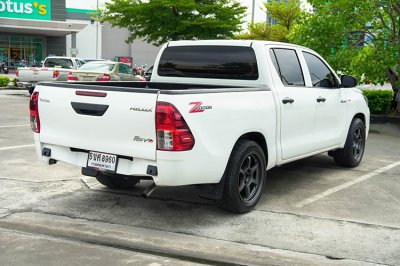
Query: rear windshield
(216, 62)
(58, 62)
(98, 66)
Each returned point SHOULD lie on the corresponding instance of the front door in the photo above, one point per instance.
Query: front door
(331, 113)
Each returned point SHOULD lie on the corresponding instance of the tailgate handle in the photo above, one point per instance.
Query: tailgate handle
(89, 108)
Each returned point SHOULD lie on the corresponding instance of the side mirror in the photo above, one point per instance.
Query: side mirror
(348, 81)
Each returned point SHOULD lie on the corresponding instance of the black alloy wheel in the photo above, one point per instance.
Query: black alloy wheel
(353, 151)
(358, 143)
(249, 178)
(244, 177)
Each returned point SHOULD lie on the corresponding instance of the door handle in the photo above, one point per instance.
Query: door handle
(89, 108)
(287, 100)
(321, 99)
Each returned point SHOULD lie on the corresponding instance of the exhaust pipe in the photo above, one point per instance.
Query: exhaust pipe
(146, 193)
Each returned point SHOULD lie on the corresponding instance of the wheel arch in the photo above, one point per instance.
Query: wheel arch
(361, 116)
(259, 139)
(215, 191)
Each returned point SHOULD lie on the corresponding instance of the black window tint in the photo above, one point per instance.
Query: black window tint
(289, 67)
(321, 76)
(217, 62)
(58, 62)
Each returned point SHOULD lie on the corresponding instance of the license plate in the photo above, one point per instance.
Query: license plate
(102, 161)
(87, 78)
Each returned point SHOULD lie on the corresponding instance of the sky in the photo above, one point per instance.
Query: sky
(259, 14)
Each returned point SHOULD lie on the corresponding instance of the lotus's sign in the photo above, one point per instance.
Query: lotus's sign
(26, 9)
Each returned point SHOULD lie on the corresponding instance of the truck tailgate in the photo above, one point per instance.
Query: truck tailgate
(114, 122)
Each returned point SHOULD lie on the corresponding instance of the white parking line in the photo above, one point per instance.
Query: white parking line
(16, 147)
(345, 185)
(26, 125)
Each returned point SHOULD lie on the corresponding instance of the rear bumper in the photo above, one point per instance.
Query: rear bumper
(173, 169)
(27, 85)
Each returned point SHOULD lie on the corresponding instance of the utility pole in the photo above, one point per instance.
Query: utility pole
(97, 32)
(252, 11)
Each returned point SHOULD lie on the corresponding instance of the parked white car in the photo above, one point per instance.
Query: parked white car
(54, 68)
(217, 114)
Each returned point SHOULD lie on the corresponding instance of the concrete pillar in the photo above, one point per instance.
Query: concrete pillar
(74, 51)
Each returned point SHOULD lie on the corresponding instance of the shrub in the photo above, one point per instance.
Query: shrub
(14, 81)
(379, 101)
(4, 81)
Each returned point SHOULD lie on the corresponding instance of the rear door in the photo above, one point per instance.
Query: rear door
(117, 121)
(125, 72)
(296, 102)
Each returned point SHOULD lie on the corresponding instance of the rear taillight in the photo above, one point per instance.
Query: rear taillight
(17, 73)
(72, 77)
(56, 73)
(105, 77)
(173, 134)
(34, 112)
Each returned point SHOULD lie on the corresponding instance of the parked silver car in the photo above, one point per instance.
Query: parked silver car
(104, 71)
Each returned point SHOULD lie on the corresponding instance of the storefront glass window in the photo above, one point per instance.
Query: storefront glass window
(17, 51)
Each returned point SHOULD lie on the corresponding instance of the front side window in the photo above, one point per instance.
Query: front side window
(209, 61)
(288, 66)
(320, 74)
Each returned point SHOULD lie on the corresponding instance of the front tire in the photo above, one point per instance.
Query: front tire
(116, 181)
(353, 151)
(244, 177)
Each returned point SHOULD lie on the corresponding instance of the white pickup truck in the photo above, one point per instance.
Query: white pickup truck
(54, 68)
(217, 114)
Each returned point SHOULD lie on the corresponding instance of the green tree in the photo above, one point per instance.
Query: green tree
(160, 21)
(284, 12)
(263, 31)
(359, 37)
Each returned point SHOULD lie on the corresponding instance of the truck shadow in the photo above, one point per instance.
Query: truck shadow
(173, 208)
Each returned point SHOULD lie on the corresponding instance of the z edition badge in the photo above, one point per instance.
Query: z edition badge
(198, 107)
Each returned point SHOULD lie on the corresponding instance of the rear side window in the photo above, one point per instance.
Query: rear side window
(125, 69)
(288, 66)
(216, 62)
(59, 62)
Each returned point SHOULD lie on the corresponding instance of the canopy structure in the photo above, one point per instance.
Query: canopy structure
(48, 28)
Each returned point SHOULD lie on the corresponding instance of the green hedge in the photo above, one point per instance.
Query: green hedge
(379, 101)
(4, 81)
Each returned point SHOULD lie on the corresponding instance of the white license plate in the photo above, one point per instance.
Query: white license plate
(102, 161)
(87, 78)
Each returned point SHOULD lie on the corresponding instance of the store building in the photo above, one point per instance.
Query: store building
(31, 30)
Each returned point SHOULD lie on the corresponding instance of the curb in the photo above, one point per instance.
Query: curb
(167, 244)
(13, 88)
(381, 119)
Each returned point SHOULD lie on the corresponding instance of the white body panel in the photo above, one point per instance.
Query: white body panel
(291, 131)
(30, 76)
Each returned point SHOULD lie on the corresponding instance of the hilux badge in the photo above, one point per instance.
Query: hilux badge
(141, 109)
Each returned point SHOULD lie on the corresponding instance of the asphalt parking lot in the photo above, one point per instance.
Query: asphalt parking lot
(312, 211)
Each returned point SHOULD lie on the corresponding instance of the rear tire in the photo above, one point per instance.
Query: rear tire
(353, 151)
(244, 177)
(116, 181)
(31, 89)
